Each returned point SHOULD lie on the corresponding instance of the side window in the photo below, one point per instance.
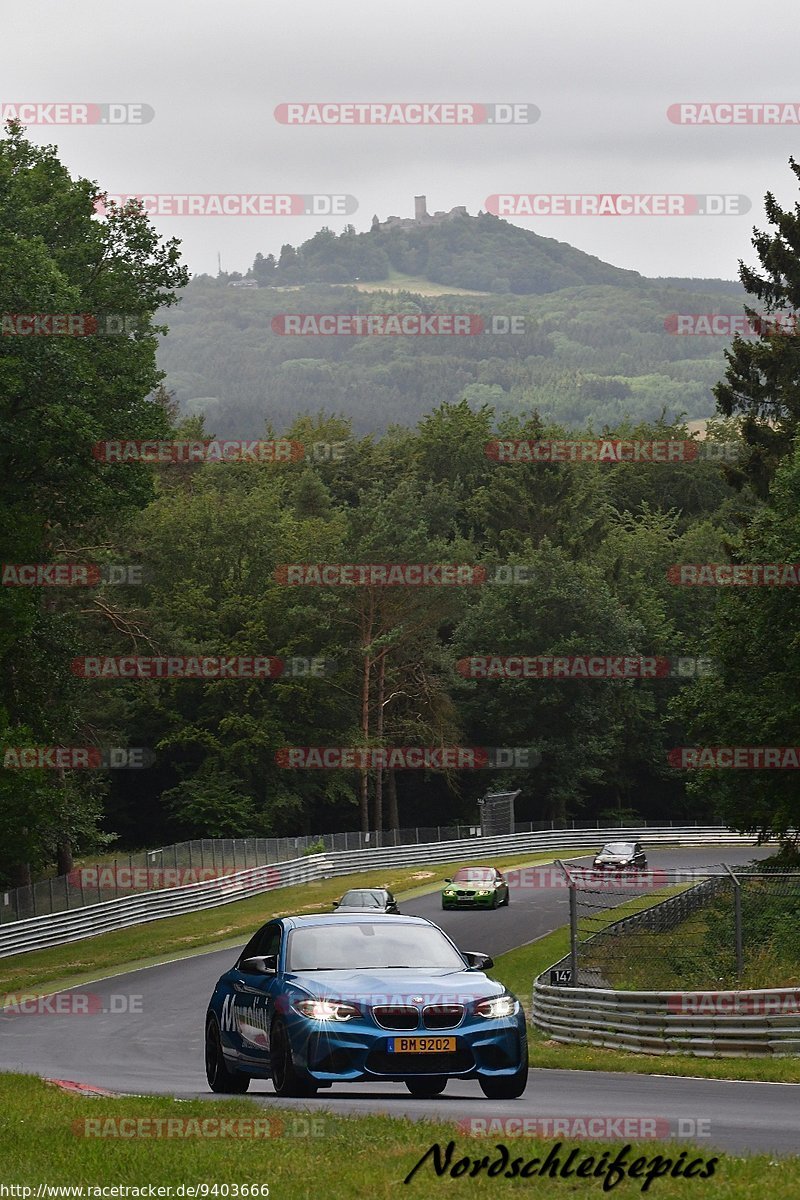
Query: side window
(250, 949)
(270, 941)
(266, 940)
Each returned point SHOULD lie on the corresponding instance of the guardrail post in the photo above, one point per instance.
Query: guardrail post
(737, 921)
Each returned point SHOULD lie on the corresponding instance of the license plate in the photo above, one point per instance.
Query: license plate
(421, 1045)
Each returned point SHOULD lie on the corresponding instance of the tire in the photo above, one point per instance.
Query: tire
(426, 1089)
(286, 1079)
(507, 900)
(220, 1079)
(506, 1087)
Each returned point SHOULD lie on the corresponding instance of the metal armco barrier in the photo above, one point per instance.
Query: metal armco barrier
(707, 1024)
(36, 933)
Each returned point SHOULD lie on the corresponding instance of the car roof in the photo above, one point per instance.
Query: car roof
(349, 919)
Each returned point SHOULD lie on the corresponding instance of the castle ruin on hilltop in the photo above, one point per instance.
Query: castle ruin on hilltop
(421, 216)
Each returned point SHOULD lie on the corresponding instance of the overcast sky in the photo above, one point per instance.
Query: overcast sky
(602, 74)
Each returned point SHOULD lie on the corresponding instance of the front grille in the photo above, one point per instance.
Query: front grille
(452, 1062)
(396, 1016)
(442, 1016)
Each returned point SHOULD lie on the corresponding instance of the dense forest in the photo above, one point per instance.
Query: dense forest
(596, 541)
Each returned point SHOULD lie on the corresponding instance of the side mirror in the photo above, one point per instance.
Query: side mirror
(335, 904)
(260, 965)
(480, 962)
(448, 881)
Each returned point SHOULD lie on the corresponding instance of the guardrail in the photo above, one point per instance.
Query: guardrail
(36, 933)
(708, 1024)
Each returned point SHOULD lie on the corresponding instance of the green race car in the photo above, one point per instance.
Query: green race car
(475, 887)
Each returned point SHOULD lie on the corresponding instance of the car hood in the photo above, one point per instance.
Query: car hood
(397, 986)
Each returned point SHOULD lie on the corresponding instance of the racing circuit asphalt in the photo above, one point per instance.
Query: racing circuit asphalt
(158, 1048)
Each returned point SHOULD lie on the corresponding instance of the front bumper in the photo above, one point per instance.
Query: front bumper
(358, 1050)
(470, 900)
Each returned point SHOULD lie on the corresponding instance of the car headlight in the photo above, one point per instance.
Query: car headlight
(326, 1010)
(449, 892)
(498, 1006)
(484, 892)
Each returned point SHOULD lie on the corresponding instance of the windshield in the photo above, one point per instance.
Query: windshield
(474, 875)
(353, 947)
(618, 848)
(362, 900)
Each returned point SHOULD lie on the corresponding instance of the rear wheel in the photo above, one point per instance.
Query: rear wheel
(506, 1087)
(426, 1089)
(286, 1078)
(220, 1079)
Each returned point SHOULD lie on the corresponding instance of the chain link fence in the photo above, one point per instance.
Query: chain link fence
(711, 928)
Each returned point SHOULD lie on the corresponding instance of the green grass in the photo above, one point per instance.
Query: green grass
(227, 925)
(518, 969)
(41, 1133)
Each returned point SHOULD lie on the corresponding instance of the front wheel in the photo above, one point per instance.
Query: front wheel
(286, 1079)
(426, 1089)
(220, 1079)
(506, 1087)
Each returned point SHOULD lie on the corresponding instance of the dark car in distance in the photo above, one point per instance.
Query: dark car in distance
(615, 856)
(367, 900)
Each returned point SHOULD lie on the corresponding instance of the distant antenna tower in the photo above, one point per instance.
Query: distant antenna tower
(219, 263)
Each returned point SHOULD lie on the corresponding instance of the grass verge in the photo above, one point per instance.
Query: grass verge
(42, 1130)
(229, 924)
